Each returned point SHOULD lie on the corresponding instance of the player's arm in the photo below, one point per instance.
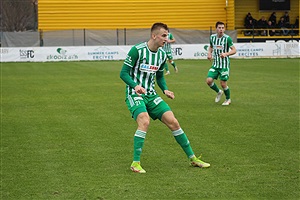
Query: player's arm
(210, 49)
(209, 53)
(129, 62)
(232, 49)
(161, 82)
(172, 39)
(124, 75)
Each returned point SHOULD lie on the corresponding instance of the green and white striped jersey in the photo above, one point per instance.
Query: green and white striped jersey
(220, 45)
(167, 46)
(144, 64)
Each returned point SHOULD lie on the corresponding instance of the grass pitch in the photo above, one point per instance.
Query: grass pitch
(66, 133)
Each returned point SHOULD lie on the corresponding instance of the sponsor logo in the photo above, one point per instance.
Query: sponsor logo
(128, 59)
(157, 100)
(177, 51)
(249, 50)
(224, 74)
(103, 53)
(61, 54)
(137, 98)
(26, 54)
(286, 48)
(3, 51)
(202, 53)
(148, 68)
(218, 47)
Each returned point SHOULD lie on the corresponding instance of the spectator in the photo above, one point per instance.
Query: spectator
(262, 23)
(248, 23)
(271, 28)
(286, 19)
(248, 18)
(249, 26)
(281, 24)
(272, 18)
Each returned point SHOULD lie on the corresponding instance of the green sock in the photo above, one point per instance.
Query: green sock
(166, 67)
(138, 143)
(214, 87)
(173, 63)
(183, 141)
(227, 92)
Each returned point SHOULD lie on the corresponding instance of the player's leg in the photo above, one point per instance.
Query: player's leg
(136, 106)
(167, 69)
(172, 123)
(223, 81)
(143, 121)
(171, 61)
(211, 75)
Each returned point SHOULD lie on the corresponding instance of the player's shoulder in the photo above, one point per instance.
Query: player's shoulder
(227, 37)
(213, 35)
(140, 45)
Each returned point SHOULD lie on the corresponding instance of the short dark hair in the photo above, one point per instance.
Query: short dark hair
(219, 23)
(159, 25)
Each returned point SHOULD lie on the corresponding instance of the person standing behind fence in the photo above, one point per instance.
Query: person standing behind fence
(262, 24)
(286, 18)
(168, 50)
(273, 19)
(271, 28)
(283, 26)
(221, 47)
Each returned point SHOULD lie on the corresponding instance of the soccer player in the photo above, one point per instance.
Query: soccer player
(168, 50)
(144, 63)
(221, 47)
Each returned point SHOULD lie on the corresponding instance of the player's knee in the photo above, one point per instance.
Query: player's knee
(223, 84)
(209, 81)
(174, 124)
(143, 121)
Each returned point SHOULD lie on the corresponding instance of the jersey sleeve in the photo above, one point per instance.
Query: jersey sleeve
(229, 42)
(161, 81)
(171, 36)
(163, 65)
(129, 63)
(210, 42)
(131, 57)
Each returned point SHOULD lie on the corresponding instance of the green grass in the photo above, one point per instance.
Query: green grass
(66, 133)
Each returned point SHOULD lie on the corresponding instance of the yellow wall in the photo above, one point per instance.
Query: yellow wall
(242, 7)
(113, 14)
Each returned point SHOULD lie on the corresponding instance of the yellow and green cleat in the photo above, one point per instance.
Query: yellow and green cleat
(136, 167)
(196, 162)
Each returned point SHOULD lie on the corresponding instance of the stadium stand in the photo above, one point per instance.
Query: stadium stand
(244, 7)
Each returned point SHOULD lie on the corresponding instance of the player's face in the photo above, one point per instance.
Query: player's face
(220, 29)
(161, 37)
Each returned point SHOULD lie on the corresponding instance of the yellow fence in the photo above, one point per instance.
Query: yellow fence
(132, 14)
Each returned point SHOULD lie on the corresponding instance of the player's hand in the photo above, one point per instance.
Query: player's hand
(209, 56)
(169, 94)
(139, 90)
(223, 55)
